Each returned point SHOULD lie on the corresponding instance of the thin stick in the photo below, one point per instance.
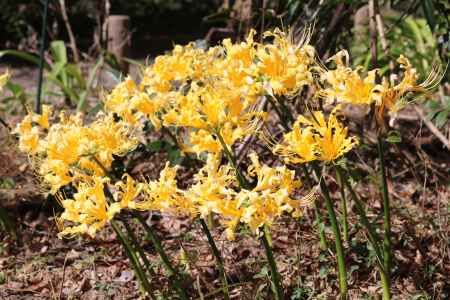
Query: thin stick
(73, 43)
(373, 4)
(432, 127)
(62, 279)
(37, 105)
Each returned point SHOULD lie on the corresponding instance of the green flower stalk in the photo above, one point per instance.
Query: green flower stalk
(372, 235)
(342, 272)
(138, 247)
(276, 278)
(344, 217)
(386, 211)
(218, 257)
(136, 265)
(173, 274)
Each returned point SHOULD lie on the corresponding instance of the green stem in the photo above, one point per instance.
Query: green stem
(321, 225)
(386, 210)
(173, 274)
(218, 257)
(276, 280)
(344, 217)
(133, 259)
(373, 237)
(241, 179)
(337, 236)
(386, 284)
(138, 248)
(318, 214)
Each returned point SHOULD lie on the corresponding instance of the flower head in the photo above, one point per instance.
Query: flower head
(394, 98)
(316, 138)
(284, 66)
(88, 211)
(212, 186)
(346, 85)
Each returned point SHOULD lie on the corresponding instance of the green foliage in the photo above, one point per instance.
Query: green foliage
(411, 37)
(394, 137)
(301, 291)
(439, 111)
(67, 76)
(437, 13)
(18, 95)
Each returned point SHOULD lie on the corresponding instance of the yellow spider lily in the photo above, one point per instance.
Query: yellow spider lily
(315, 139)
(346, 85)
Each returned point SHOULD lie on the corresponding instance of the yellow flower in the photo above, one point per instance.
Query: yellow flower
(330, 137)
(316, 139)
(393, 98)
(69, 150)
(119, 101)
(297, 146)
(345, 84)
(42, 119)
(29, 142)
(211, 187)
(202, 141)
(285, 66)
(127, 192)
(55, 174)
(30, 137)
(269, 199)
(165, 196)
(88, 211)
(106, 138)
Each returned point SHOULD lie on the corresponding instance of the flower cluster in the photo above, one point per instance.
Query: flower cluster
(211, 96)
(214, 91)
(68, 152)
(347, 86)
(215, 190)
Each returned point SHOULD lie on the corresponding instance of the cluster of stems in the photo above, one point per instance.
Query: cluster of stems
(382, 248)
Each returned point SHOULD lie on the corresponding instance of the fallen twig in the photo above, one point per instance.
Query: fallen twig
(432, 127)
